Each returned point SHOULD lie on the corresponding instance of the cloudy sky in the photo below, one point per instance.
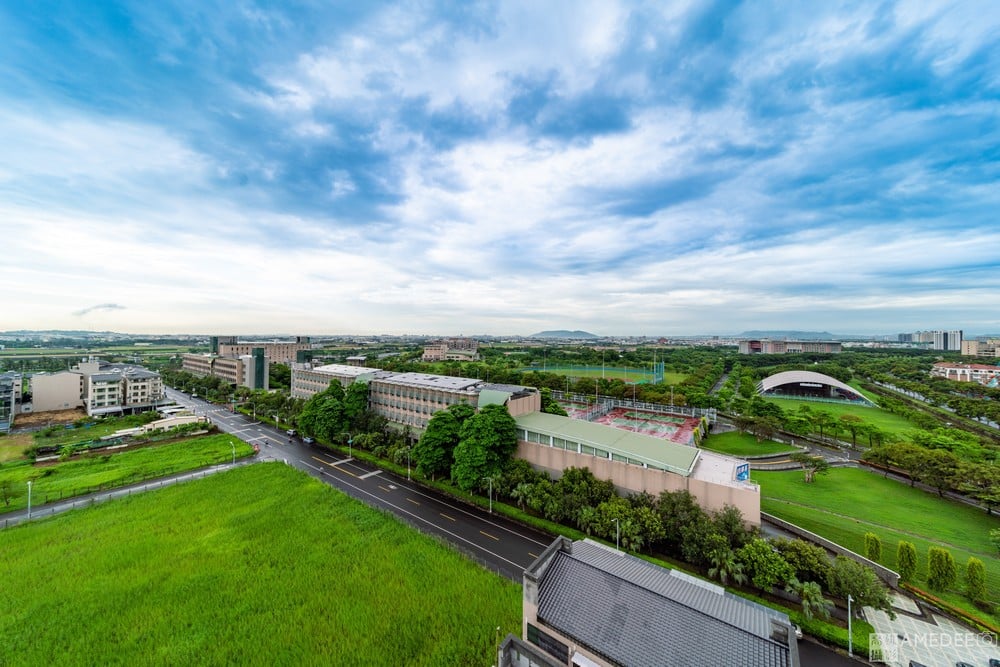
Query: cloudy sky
(505, 167)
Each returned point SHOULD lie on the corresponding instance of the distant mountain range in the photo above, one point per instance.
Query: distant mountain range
(562, 333)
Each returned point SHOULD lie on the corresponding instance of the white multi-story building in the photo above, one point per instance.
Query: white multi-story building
(981, 373)
(308, 380)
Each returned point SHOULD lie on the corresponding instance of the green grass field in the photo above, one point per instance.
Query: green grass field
(735, 443)
(885, 421)
(612, 373)
(261, 565)
(848, 502)
(53, 481)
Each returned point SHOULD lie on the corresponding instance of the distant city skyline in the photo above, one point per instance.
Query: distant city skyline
(620, 168)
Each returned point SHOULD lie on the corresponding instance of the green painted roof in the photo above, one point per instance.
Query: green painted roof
(657, 451)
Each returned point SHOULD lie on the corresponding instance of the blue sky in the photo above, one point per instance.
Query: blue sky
(500, 167)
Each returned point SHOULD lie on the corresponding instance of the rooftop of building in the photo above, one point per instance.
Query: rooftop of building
(427, 381)
(344, 370)
(660, 453)
(635, 613)
(958, 364)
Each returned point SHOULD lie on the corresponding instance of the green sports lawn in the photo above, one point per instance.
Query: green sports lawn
(848, 502)
(258, 565)
(735, 443)
(886, 421)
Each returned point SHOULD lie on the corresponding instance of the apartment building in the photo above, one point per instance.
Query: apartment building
(248, 370)
(10, 396)
(981, 348)
(982, 373)
(452, 349)
(936, 340)
(56, 391)
(278, 352)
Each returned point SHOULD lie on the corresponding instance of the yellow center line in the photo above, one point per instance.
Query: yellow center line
(447, 517)
(384, 489)
(413, 501)
(533, 555)
(494, 537)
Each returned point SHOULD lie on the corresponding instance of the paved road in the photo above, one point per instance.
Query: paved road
(503, 546)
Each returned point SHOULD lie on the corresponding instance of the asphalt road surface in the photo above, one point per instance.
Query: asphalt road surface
(501, 545)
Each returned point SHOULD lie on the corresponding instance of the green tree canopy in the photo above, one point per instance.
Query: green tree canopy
(487, 442)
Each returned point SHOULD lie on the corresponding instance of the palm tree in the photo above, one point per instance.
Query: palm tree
(724, 566)
(811, 597)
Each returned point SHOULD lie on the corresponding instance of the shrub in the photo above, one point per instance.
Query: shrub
(975, 579)
(906, 560)
(941, 569)
(873, 547)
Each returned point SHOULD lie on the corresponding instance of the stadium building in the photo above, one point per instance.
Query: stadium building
(809, 385)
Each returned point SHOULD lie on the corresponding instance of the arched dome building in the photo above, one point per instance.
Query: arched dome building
(810, 385)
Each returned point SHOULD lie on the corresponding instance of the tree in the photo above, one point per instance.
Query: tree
(724, 566)
(995, 539)
(764, 565)
(853, 424)
(811, 465)
(678, 509)
(549, 404)
(906, 560)
(729, 523)
(939, 470)
(873, 547)
(941, 569)
(434, 452)
(981, 481)
(849, 577)
(822, 421)
(811, 598)
(487, 441)
(355, 405)
(975, 579)
(809, 561)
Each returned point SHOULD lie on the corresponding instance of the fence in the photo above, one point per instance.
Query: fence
(659, 408)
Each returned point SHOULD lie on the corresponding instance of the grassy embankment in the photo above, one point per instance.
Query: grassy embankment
(258, 565)
(885, 421)
(88, 473)
(847, 502)
(735, 443)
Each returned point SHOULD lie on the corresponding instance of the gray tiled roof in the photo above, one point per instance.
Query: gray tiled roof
(635, 613)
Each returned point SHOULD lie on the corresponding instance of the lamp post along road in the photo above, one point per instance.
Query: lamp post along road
(618, 534)
(29, 499)
(490, 480)
(850, 635)
(233, 445)
(407, 463)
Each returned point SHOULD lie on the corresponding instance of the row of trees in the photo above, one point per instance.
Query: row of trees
(675, 524)
(942, 571)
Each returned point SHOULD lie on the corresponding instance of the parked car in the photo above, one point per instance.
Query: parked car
(308, 440)
(291, 432)
(798, 631)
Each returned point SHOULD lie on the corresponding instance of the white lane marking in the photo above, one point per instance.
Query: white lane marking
(370, 474)
(311, 466)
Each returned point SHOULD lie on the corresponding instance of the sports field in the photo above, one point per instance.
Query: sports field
(627, 375)
(669, 427)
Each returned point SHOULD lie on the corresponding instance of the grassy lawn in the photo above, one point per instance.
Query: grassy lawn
(13, 446)
(848, 502)
(613, 373)
(52, 481)
(259, 565)
(886, 421)
(735, 443)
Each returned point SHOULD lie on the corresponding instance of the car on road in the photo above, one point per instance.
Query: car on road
(291, 432)
(308, 440)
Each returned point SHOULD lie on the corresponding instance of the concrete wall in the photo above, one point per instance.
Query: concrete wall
(629, 478)
(525, 405)
(56, 391)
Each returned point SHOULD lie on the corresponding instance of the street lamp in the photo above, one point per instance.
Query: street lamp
(233, 445)
(850, 635)
(408, 462)
(618, 534)
(490, 480)
(29, 499)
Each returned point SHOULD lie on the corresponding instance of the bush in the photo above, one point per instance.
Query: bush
(941, 569)
(906, 560)
(873, 547)
(975, 579)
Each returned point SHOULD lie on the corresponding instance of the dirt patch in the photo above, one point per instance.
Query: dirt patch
(51, 417)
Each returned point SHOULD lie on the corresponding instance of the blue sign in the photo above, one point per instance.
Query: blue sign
(743, 472)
